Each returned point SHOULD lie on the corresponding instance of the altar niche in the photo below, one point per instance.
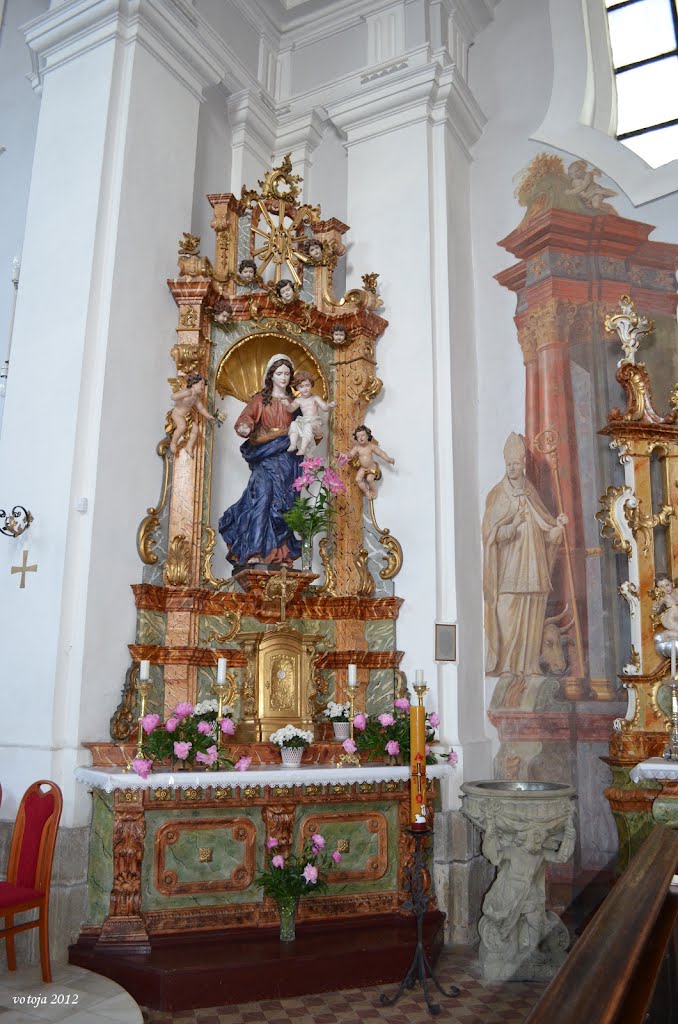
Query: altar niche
(288, 634)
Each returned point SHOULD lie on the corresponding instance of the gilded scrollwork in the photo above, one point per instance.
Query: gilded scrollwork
(146, 533)
(629, 325)
(394, 552)
(644, 524)
(612, 517)
(366, 585)
(328, 588)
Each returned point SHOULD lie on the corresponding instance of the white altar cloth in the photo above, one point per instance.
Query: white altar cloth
(655, 768)
(261, 775)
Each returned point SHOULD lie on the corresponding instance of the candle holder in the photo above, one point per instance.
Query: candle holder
(418, 900)
(349, 759)
(221, 690)
(143, 689)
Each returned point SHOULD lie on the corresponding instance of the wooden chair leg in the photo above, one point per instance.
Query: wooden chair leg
(9, 941)
(43, 928)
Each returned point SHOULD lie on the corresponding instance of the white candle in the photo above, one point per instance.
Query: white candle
(352, 675)
(221, 670)
(673, 659)
(419, 675)
(144, 671)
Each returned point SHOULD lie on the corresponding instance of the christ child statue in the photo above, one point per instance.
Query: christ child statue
(307, 428)
(189, 400)
(364, 450)
(668, 600)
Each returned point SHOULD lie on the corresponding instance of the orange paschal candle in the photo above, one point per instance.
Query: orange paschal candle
(417, 761)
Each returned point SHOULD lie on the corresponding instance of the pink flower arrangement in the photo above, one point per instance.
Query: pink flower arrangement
(452, 758)
(314, 513)
(349, 746)
(142, 767)
(242, 764)
(228, 726)
(183, 710)
(342, 459)
(290, 876)
(388, 733)
(209, 757)
(189, 735)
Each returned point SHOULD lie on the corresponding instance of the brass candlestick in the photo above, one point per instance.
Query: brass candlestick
(221, 689)
(346, 758)
(143, 689)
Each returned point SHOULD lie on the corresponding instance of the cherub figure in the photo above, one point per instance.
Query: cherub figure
(247, 272)
(668, 600)
(307, 428)
(189, 400)
(339, 335)
(364, 451)
(285, 291)
(582, 181)
(314, 250)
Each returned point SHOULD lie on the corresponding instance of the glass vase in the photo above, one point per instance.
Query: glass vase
(287, 908)
(306, 554)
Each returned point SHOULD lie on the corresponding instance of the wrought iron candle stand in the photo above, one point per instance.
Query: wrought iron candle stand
(420, 969)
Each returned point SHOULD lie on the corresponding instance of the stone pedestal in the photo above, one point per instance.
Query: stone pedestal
(525, 825)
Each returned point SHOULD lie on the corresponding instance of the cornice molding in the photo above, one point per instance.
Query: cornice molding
(171, 30)
(408, 95)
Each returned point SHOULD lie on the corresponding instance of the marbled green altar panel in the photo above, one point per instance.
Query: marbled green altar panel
(151, 627)
(100, 871)
(381, 691)
(380, 635)
(182, 856)
(371, 852)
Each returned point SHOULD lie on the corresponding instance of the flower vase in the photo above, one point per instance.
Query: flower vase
(342, 730)
(287, 908)
(291, 756)
(306, 554)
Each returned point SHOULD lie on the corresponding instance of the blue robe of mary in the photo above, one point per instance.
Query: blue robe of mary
(253, 528)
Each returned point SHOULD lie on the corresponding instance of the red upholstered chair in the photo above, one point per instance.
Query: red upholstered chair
(29, 871)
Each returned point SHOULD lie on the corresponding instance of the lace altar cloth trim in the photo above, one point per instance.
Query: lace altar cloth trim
(655, 768)
(269, 775)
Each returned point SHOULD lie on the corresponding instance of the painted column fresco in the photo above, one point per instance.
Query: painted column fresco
(575, 257)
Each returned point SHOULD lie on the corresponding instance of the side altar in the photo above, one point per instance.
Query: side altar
(273, 379)
(639, 515)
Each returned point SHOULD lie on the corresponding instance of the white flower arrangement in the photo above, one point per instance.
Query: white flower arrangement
(337, 712)
(290, 736)
(207, 707)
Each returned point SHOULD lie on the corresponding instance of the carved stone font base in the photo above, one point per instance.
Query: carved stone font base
(525, 825)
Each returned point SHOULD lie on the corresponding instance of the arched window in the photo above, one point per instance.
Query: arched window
(644, 40)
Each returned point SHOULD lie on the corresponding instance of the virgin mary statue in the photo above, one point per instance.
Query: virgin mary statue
(254, 529)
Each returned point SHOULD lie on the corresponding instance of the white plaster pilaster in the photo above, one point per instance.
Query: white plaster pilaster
(301, 135)
(111, 191)
(253, 128)
(428, 418)
(386, 33)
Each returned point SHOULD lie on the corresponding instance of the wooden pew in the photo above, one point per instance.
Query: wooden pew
(612, 971)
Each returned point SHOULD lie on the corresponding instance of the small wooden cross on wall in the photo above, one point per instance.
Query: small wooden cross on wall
(23, 569)
(280, 587)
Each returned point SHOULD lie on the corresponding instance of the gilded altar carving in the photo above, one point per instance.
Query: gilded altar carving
(129, 832)
(146, 534)
(178, 562)
(123, 720)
